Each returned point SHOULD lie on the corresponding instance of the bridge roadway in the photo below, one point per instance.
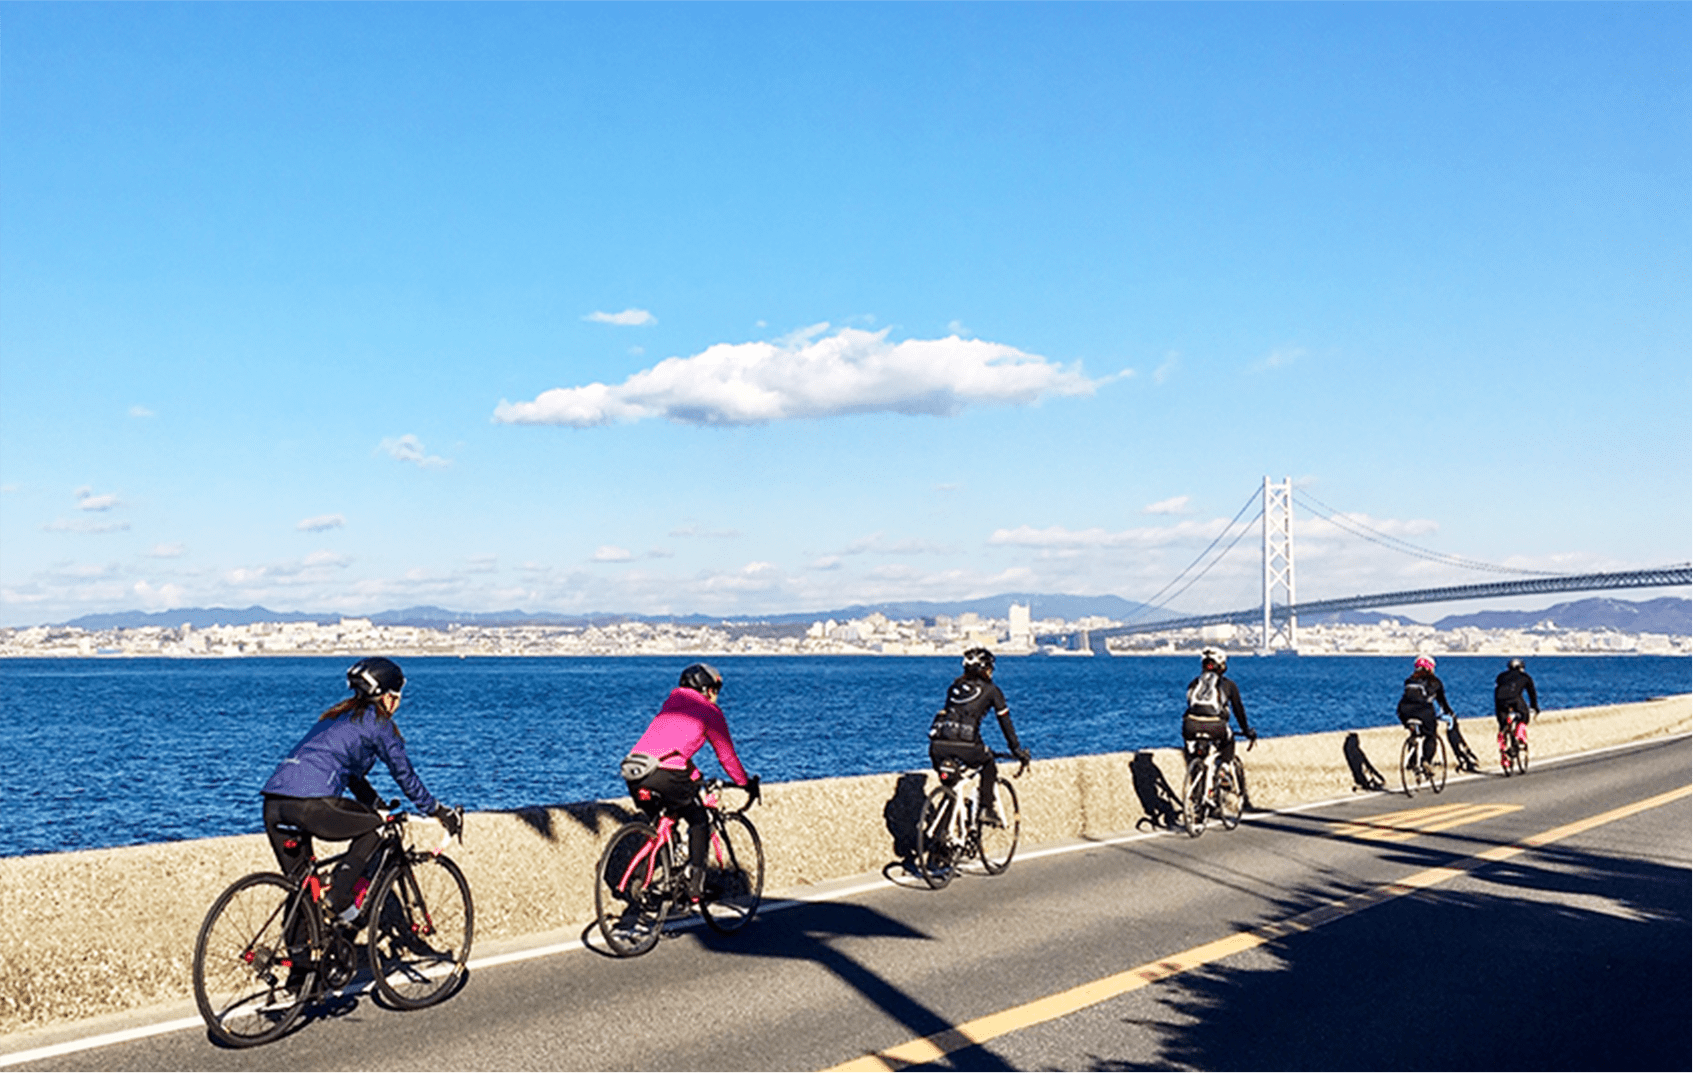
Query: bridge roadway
(1454, 951)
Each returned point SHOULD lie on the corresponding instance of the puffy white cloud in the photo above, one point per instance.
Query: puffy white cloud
(87, 500)
(629, 318)
(141, 411)
(1173, 505)
(611, 553)
(167, 551)
(811, 374)
(409, 448)
(319, 522)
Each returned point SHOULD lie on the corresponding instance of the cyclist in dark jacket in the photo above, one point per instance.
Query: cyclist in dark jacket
(1208, 718)
(1508, 704)
(1417, 704)
(955, 735)
(335, 755)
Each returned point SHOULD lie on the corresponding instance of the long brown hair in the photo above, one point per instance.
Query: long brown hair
(358, 705)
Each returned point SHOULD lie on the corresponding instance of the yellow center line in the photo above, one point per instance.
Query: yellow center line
(982, 1029)
(1406, 825)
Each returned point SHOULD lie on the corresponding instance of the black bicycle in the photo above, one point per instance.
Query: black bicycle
(269, 947)
(642, 877)
(1414, 772)
(953, 828)
(1212, 788)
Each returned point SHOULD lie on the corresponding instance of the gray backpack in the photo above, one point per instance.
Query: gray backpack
(1205, 698)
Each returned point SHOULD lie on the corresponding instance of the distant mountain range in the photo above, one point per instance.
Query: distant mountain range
(1669, 614)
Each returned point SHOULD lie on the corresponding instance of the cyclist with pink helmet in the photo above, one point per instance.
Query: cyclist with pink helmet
(1417, 704)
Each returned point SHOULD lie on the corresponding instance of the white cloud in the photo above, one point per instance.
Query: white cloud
(1279, 358)
(167, 551)
(1167, 368)
(629, 318)
(611, 553)
(409, 448)
(325, 558)
(1173, 505)
(696, 531)
(810, 374)
(141, 411)
(158, 598)
(319, 522)
(60, 525)
(87, 500)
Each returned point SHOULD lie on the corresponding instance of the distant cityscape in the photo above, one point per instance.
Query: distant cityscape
(872, 634)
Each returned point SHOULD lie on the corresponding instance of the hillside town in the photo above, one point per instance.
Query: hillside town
(874, 634)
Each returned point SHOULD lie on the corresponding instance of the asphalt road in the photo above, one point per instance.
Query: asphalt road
(1345, 936)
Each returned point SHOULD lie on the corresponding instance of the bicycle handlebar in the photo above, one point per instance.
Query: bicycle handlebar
(399, 818)
(717, 786)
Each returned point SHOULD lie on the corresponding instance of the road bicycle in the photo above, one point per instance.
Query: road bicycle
(1513, 747)
(269, 946)
(1212, 788)
(1412, 773)
(953, 829)
(643, 875)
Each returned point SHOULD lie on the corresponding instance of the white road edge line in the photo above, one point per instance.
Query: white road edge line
(181, 1024)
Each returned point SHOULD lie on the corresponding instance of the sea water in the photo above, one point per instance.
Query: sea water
(109, 752)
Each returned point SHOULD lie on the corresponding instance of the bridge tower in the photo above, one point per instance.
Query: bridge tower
(1281, 626)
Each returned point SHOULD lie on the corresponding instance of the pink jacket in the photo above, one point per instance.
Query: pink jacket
(686, 722)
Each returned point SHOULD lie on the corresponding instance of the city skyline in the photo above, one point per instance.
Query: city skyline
(739, 311)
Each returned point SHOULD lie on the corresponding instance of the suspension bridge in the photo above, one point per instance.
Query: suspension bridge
(1277, 614)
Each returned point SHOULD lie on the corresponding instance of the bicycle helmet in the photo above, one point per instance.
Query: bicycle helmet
(1516, 665)
(1214, 657)
(978, 661)
(375, 677)
(1424, 663)
(700, 677)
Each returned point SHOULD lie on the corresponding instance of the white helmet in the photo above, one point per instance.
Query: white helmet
(1216, 656)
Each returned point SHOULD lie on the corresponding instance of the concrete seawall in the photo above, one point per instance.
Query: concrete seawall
(102, 931)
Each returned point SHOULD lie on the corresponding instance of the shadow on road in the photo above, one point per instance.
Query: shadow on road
(808, 934)
(1561, 960)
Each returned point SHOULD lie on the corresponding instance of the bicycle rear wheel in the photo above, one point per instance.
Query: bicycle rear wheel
(999, 844)
(632, 889)
(734, 874)
(1194, 804)
(421, 926)
(1231, 793)
(937, 859)
(1410, 756)
(1437, 777)
(253, 965)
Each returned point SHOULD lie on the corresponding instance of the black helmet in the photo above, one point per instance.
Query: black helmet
(700, 677)
(373, 677)
(978, 661)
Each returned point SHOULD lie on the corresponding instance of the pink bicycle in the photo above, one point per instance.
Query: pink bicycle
(642, 877)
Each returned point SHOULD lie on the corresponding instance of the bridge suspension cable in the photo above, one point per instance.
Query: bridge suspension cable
(1152, 604)
(1393, 543)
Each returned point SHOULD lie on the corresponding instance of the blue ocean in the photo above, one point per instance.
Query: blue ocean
(111, 752)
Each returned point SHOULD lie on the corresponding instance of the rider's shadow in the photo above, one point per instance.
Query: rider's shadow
(1158, 800)
(901, 815)
(1364, 774)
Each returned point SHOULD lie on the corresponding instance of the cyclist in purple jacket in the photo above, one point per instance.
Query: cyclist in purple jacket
(335, 755)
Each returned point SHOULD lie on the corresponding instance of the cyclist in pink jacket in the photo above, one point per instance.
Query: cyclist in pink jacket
(660, 769)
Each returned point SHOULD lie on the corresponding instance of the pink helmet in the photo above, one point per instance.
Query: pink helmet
(1424, 663)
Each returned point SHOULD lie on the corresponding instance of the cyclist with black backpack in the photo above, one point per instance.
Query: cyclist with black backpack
(1417, 704)
(955, 734)
(1210, 699)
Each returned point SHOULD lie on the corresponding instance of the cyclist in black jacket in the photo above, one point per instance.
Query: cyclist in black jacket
(1416, 705)
(1207, 716)
(1508, 704)
(956, 733)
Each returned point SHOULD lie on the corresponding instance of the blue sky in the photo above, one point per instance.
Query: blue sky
(736, 309)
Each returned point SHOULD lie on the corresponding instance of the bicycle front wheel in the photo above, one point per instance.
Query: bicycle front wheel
(253, 965)
(734, 874)
(1231, 793)
(937, 859)
(632, 889)
(999, 843)
(1521, 757)
(421, 926)
(1437, 776)
(1194, 798)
